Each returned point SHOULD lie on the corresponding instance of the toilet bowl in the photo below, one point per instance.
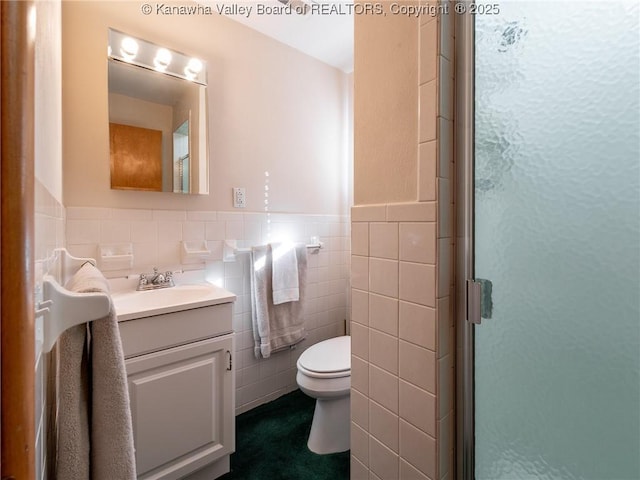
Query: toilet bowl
(324, 373)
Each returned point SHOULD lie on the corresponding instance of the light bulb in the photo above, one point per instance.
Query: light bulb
(162, 59)
(195, 65)
(129, 48)
(193, 68)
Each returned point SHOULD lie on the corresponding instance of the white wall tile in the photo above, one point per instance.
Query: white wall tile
(87, 213)
(169, 230)
(122, 214)
(216, 248)
(144, 231)
(193, 231)
(170, 215)
(168, 254)
(234, 230)
(253, 233)
(83, 231)
(201, 216)
(215, 231)
(145, 255)
(114, 231)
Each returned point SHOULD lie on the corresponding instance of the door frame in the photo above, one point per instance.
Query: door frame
(464, 201)
(17, 315)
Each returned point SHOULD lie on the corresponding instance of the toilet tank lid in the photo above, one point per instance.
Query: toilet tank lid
(332, 355)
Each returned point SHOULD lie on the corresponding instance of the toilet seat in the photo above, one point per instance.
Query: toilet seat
(327, 359)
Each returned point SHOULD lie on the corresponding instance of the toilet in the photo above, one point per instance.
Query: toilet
(324, 373)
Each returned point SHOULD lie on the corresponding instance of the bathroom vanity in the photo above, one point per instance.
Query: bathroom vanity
(178, 346)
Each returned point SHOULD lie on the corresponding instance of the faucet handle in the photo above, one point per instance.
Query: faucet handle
(143, 279)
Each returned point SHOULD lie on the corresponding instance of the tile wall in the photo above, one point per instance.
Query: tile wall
(49, 234)
(402, 309)
(156, 237)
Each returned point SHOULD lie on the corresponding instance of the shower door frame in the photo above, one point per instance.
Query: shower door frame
(464, 161)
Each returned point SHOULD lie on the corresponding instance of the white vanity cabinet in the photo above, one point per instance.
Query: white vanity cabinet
(182, 392)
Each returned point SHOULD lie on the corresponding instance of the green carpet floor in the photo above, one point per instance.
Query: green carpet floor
(271, 444)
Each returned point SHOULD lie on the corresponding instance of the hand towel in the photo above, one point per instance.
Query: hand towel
(260, 287)
(73, 400)
(284, 273)
(108, 450)
(275, 327)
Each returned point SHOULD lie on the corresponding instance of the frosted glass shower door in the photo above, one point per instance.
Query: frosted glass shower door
(557, 232)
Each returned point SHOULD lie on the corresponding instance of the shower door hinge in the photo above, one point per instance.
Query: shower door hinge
(474, 300)
(479, 301)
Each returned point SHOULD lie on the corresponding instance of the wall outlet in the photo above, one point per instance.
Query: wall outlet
(239, 197)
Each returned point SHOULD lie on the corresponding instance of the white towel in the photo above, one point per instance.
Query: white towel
(284, 273)
(95, 433)
(275, 327)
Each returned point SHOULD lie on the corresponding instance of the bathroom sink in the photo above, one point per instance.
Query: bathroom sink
(130, 304)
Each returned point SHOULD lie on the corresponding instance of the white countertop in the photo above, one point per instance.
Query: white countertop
(190, 292)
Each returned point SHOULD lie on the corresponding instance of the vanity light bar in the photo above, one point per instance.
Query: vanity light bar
(129, 49)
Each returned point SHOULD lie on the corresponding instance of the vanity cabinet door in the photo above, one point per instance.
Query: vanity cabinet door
(182, 402)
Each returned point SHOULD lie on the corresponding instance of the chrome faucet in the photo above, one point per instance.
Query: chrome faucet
(150, 281)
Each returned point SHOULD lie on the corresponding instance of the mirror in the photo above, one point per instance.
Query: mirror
(158, 133)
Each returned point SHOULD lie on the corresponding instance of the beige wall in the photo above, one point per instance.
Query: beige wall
(271, 109)
(386, 109)
(48, 99)
(402, 369)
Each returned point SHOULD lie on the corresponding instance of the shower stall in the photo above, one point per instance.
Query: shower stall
(548, 168)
